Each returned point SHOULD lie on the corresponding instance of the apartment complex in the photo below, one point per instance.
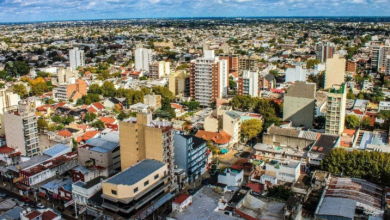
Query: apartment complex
(335, 114)
(7, 99)
(190, 155)
(335, 71)
(71, 91)
(21, 128)
(248, 84)
(154, 101)
(76, 58)
(299, 104)
(142, 138)
(159, 69)
(247, 63)
(208, 78)
(179, 83)
(66, 75)
(325, 51)
(143, 58)
(132, 192)
(380, 57)
(233, 62)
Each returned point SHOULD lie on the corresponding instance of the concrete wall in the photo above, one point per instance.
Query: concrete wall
(299, 110)
(126, 191)
(14, 132)
(335, 71)
(280, 140)
(181, 152)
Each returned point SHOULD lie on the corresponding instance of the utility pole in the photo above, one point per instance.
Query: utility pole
(75, 208)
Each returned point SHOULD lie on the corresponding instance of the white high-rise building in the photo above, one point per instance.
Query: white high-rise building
(296, 74)
(7, 99)
(76, 58)
(143, 58)
(249, 83)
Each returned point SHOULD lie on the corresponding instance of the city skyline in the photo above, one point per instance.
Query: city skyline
(55, 10)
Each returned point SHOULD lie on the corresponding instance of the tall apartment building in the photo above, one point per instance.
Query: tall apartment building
(72, 91)
(335, 114)
(65, 75)
(21, 128)
(233, 60)
(299, 104)
(379, 58)
(208, 78)
(154, 101)
(159, 69)
(325, 51)
(247, 63)
(190, 155)
(143, 58)
(179, 83)
(248, 84)
(7, 99)
(142, 138)
(76, 58)
(335, 71)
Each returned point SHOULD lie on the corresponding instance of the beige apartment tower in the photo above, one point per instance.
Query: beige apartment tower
(142, 138)
(177, 82)
(335, 71)
(335, 113)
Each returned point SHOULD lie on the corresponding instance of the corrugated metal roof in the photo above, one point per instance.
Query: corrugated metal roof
(56, 149)
(99, 142)
(337, 207)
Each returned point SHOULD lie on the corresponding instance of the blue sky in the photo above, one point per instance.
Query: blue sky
(44, 10)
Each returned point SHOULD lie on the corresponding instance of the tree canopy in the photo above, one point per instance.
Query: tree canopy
(352, 121)
(21, 90)
(372, 166)
(251, 128)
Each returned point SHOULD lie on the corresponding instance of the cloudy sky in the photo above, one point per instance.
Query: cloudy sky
(49, 10)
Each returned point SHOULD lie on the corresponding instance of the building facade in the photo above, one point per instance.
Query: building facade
(296, 74)
(335, 114)
(159, 69)
(190, 155)
(76, 58)
(335, 71)
(143, 58)
(7, 99)
(142, 138)
(325, 51)
(179, 83)
(209, 78)
(299, 104)
(248, 84)
(21, 128)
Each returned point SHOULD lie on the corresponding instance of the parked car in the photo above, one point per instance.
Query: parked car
(40, 205)
(26, 199)
(3, 195)
(191, 191)
(206, 182)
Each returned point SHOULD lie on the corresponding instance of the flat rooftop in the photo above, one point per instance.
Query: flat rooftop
(136, 173)
(204, 202)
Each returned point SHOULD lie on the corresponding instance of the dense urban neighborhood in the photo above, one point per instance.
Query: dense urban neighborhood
(195, 119)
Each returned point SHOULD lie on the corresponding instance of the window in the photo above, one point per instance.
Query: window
(136, 190)
(156, 176)
(146, 183)
(113, 192)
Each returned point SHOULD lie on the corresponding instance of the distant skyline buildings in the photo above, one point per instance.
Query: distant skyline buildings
(40, 10)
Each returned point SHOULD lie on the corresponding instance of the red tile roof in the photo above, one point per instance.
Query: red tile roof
(181, 199)
(6, 150)
(218, 138)
(107, 120)
(88, 135)
(33, 215)
(49, 215)
(256, 187)
(174, 105)
(65, 133)
(91, 110)
(98, 105)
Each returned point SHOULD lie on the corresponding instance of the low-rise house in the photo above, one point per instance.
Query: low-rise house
(140, 108)
(85, 174)
(285, 171)
(111, 102)
(83, 191)
(219, 139)
(321, 148)
(231, 177)
(181, 202)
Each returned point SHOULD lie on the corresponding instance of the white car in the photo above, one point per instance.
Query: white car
(40, 205)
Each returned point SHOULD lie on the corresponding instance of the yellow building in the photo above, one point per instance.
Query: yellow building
(134, 189)
(335, 71)
(142, 138)
(177, 82)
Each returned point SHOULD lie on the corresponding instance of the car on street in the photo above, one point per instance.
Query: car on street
(191, 191)
(40, 205)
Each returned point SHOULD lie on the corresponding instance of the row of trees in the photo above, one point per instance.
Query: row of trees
(38, 86)
(371, 166)
(270, 110)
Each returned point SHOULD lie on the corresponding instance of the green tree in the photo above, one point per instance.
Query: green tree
(311, 63)
(108, 89)
(192, 105)
(42, 125)
(21, 90)
(352, 121)
(164, 92)
(22, 68)
(3, 74)
(56, 119)
(143, 78)
(121, 116)
(166, 110)
(89, 117)
(39, 88)
(279, 192)
(243, 102)
(95, 89)
(251, 128)
(98, 125)
(68, 120)
(318, 79)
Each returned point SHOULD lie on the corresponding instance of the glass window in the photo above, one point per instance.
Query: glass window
(156, 176)
(146, 183)
(113, 192)
(136, 190)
